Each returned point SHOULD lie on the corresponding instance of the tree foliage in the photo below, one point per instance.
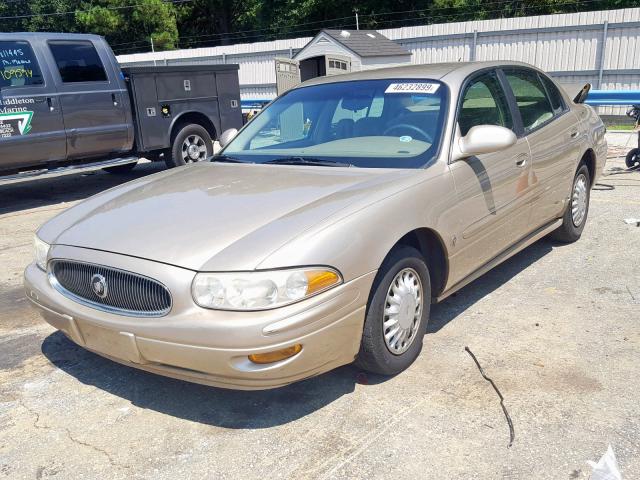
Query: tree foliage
(129, 25)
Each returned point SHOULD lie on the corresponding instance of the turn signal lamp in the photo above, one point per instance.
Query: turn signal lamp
(278, 355)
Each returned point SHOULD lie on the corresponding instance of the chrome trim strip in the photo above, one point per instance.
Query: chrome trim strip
(106, 308)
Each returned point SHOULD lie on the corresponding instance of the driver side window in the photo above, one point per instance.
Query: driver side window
(484, 103)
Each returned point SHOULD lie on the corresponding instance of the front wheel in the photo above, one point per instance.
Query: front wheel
(397, 313)
(575, 216)
(191, 144)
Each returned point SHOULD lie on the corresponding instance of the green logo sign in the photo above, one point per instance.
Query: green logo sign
(23, 118)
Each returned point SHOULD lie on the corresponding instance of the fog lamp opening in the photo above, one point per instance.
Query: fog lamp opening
(276, 356)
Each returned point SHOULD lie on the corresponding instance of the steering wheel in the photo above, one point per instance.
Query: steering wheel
(408, 126)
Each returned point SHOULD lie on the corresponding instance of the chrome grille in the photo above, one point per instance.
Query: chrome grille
(125, 293)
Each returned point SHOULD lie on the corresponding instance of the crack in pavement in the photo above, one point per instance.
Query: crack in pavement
(359, 448)
(70, 436)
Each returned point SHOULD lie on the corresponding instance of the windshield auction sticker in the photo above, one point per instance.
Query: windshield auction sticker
(412, 88)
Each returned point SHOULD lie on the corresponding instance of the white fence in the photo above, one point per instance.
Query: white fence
(602, 48)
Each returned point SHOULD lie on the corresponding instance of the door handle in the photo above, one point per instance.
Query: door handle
(114, 100)
(521, 160)
(574, 134)
(50, 104)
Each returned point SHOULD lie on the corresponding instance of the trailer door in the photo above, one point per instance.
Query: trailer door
(287, 74)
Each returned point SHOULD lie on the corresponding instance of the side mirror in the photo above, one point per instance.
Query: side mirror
(227, 136)
(483, 139)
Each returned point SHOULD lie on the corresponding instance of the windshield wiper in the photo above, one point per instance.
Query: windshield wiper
(307, 161)
(227, 159)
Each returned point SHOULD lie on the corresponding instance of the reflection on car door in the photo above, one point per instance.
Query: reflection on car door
(31, 127)
(492, 189)
(553, 134)
(92, 103)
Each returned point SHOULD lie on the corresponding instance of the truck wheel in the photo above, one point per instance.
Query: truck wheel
(397, 313)
(121, 169)
(191, 144)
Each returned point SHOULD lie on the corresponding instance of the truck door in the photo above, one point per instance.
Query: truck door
(31, 127)
(92, 102)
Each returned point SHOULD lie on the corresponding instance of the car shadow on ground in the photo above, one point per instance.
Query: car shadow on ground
(200, 403)
(256, 409)
(50, 191)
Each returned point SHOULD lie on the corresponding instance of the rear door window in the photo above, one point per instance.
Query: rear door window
(531, 97)
(554, 95)
(18, 65)
(78, 61)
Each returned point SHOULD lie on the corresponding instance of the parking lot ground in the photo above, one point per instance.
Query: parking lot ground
(556, 327)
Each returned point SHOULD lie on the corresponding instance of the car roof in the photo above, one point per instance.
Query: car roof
(455, 72)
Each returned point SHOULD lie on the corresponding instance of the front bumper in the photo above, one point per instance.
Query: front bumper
(208, 346)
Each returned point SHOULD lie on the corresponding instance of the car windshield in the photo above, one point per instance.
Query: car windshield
(391, 123)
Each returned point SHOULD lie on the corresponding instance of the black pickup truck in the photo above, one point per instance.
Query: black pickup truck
(67, 106)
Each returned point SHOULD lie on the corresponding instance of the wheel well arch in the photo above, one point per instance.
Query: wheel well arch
(429, 243)
(193, 117)
(589, 159)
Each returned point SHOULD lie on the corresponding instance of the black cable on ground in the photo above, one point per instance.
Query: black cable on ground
(512, 433)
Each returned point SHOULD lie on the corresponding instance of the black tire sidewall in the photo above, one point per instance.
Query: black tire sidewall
(632, 158)
(176, 147)
(374, 354)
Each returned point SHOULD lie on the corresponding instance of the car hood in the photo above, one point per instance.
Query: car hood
(214, 216)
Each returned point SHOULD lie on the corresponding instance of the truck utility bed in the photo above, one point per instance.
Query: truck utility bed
(161, 94)
(67, 105)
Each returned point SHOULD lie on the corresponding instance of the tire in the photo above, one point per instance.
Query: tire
(121, 169)
(375, 354)
(633, 158)
(572, 225)
(190, 134)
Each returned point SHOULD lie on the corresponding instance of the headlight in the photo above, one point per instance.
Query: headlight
(41, 251)
(261, 290)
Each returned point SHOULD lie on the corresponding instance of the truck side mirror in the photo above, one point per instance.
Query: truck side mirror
(227, 136)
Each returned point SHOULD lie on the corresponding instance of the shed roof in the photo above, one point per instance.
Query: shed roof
(367, 43)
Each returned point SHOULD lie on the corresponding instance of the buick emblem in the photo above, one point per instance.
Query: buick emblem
(99, 285)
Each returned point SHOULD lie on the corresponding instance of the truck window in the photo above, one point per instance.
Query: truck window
(77, 61)
(18, 65)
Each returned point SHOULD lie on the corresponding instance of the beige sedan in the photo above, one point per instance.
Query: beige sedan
(324, 230)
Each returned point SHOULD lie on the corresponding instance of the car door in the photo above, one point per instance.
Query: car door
(553, 135)
(491, 209)
(92, 101)
(31, 127)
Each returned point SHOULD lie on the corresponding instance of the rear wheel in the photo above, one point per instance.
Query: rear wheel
(633, 158)
(575, 217)
(397, 313)
(191, 144)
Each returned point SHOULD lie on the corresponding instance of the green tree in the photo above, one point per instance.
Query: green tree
(131, 26)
